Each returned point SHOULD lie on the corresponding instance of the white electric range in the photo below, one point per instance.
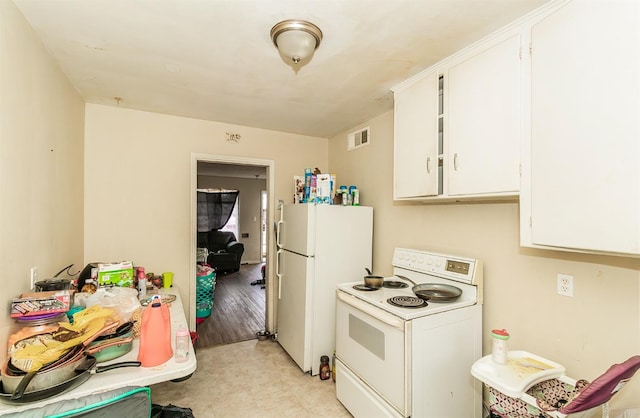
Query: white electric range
(411, 361)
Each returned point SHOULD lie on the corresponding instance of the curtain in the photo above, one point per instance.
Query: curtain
(215, 208)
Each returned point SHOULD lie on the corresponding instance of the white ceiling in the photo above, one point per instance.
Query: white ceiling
(214, 59)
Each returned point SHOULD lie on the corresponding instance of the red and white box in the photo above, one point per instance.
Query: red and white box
(40, 303)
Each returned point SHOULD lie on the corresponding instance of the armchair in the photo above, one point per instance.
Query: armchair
(225, 252)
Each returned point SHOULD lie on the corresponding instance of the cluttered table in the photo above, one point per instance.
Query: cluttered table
(129, 376)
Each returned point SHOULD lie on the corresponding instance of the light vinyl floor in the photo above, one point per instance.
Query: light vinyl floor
(250, 379)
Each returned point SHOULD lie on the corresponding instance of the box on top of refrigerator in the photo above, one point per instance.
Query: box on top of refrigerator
(323, 189)
(298, 189)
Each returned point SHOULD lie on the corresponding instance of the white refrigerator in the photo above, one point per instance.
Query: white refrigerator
(319, 246)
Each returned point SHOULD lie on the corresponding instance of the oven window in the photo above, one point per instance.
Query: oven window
(369, 337)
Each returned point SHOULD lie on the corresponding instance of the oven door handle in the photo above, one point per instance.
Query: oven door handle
(368, 309)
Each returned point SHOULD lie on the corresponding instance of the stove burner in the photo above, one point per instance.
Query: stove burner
(364, 287)
(394, 284)
(407, 302)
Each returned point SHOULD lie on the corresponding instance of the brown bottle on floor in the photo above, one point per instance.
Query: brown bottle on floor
(325, 369)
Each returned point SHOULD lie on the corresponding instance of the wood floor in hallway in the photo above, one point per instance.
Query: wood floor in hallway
(238, 309)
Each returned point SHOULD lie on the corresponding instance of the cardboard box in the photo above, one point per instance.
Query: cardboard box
(115, 274)
(39, 303)
(324, 189)
(308, 175)
(298, 189)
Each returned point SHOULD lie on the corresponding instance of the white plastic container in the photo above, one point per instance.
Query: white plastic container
(499, 352)
(142, 287)
(183, 340)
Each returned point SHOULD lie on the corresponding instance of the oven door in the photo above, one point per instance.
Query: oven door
(372, 344)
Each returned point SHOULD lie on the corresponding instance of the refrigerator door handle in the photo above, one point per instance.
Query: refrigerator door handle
(278, 233)
(278, 273)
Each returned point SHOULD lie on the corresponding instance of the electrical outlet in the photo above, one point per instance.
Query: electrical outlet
(33, 277)
(565, 285)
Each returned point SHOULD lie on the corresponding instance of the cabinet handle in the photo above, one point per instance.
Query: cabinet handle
(455, 161)
(428, 165)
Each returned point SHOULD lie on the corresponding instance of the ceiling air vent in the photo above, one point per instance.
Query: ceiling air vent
(358, 139)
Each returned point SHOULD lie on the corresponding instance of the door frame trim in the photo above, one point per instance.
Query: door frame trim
(226, 159)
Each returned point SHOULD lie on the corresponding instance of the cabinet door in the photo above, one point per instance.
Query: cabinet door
(585, 138)
(483, 154)
(415, 139)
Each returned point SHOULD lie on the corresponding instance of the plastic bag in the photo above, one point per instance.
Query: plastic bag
(170, 411)
(123, 300)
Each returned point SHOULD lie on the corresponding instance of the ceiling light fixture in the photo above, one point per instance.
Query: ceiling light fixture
(296, 39)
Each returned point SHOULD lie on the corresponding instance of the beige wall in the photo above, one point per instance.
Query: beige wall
(137, 206)
(41, 153)
(598, 327)
(248, 210)
(137, 182)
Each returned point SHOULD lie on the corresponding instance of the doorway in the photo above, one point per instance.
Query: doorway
(264, 216)
(263, 225)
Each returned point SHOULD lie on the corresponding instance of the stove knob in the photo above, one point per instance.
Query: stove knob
(420, 260)
(413, 258)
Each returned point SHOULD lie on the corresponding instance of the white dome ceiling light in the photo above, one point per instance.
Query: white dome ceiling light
(296, 39)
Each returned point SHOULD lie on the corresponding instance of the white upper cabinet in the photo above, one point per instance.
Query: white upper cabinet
(547, 109)
(581, 169)
(415, 133)
(483, 115)
(457, 125)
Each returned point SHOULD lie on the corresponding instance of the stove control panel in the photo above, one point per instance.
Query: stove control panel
(458, 267)
(465, 270)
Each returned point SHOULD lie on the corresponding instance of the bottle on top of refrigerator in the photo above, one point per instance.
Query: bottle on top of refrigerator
(344, 194)
(355, 197)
